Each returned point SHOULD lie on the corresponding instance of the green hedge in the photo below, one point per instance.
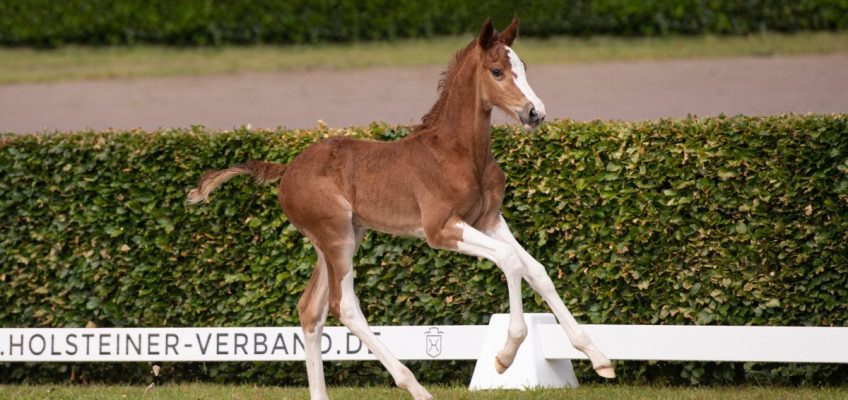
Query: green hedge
(740, 221)
(205, 22)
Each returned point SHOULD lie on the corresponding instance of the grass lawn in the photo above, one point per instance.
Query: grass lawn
(28, 65)
(208, 391)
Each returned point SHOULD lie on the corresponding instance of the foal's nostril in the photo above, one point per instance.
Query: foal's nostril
(533, 115)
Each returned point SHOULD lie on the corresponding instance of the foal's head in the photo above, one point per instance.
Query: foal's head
(504, 76)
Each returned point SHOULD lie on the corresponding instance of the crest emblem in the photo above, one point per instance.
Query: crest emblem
(433, 341)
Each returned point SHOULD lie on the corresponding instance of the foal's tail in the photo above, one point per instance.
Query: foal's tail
(264, 172)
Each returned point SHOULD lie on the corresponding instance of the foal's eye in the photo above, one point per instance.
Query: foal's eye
(497, 72)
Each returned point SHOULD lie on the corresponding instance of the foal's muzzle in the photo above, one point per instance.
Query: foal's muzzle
(530, 116)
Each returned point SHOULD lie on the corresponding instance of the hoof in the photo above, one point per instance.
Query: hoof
(499, 366)
(422, 395)
(606, 371)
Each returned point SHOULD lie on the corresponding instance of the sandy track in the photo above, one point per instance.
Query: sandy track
(625, 90)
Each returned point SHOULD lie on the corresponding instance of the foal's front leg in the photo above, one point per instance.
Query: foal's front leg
(539, 280)
(507, 259)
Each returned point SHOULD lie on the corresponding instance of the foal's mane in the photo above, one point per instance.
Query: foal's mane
(445, 85)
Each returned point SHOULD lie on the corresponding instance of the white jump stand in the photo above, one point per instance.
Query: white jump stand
(530, 368)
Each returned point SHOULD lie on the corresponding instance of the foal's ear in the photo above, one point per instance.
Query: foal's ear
(508, 36)
(488, 36)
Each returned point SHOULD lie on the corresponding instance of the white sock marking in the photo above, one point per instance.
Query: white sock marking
(538, 278)
(478, 244)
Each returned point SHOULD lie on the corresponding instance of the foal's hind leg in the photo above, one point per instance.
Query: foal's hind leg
(539, 280)
(312, 307)
(344, 304)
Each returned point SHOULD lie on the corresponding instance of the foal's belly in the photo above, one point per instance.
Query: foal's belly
(474, 209)
(396, 228)
(396, 218)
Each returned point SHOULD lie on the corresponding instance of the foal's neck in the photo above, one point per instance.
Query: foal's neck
(465, 123)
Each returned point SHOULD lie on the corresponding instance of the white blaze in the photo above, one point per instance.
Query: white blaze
(521, 81)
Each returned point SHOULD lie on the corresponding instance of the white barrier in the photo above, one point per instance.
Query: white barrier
(231, 344)
(543, 359)
(530, 368)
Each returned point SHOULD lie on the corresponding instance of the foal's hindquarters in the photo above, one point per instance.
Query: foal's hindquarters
(312, 197)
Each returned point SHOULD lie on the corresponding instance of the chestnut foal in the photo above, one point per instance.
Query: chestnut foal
(440, 183)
